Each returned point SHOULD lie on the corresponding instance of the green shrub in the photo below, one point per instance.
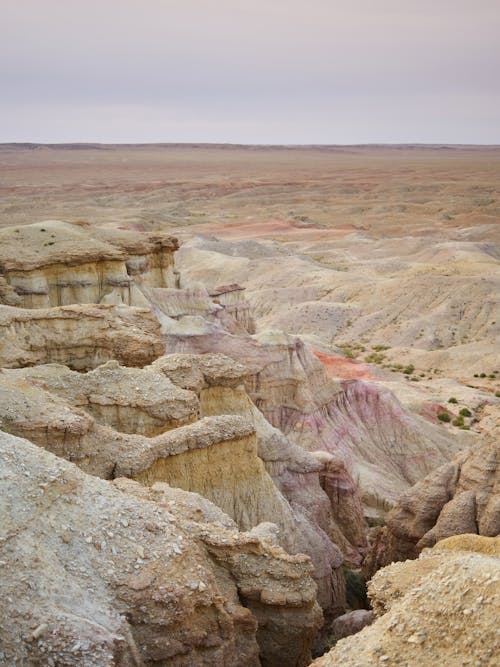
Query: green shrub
(497, 394)
(409, 369)
(452, 400)
(355, 588)
(380, 348)
(374, 358)
(415, 379)
(482, 375)
(465, 412)
(459, 421)
(444, 417)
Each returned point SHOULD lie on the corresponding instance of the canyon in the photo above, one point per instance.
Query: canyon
(212, 432)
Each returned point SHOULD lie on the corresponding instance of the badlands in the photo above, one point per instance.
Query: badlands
(238, 383)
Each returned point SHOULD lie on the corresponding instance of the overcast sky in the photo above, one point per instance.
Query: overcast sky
(250, 71)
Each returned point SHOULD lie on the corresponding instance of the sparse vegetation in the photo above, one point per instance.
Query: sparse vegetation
(452, 400)
(374, 358)
(352, 350)
(465, 412)
(444, 417)
(355, 589)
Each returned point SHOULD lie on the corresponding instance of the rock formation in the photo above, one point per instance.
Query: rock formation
(382, 445)
(80, 336)
(95, 576)
(460, 497)
(116, 421)
(440, 607)
(57, 264)
(109, 363)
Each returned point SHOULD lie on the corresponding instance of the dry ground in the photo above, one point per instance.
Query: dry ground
(360, 246)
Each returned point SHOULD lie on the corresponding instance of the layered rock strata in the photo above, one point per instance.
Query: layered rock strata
(272, 440)
(231, 297)
(458, 498)
(282, 608)
(94, 576)
(80, 336)
(104, 421)
(310, 481)
(64, 264)
(40, 265)
(362, 424)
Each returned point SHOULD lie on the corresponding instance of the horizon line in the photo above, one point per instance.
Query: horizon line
(219, 144)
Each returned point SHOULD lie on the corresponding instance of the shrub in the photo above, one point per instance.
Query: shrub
(497, 394)
(444, 417)
(409, 369)
(459, 421)
(355, 586)
(452, 400)
(374, 358)
(482, 375)
(465, 412)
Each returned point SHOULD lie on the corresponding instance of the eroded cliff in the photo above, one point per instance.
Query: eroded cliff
(95, 576)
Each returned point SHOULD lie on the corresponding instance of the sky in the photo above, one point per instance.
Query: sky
(256, 71)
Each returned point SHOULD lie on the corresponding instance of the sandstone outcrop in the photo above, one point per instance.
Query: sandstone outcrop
(312, 482)
(437, 608)
(138, 401)
(80, 336)
(458, 498)
(56, 264)
(232, 298)
(285, 610)
(382, 445)
(116, 421)
(94, 576)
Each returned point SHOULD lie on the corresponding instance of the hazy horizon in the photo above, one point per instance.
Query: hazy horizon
(334, 72)
(230, 144)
